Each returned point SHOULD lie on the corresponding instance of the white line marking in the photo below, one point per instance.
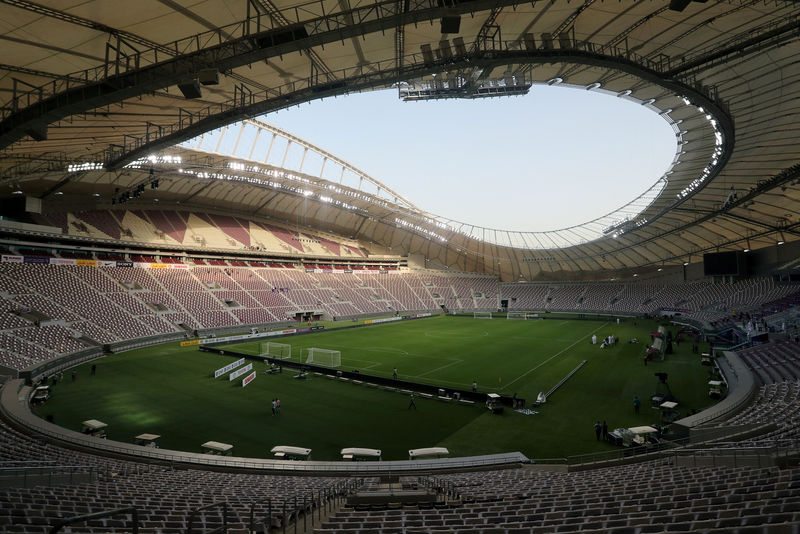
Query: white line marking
(442, 367)
(439, 382)
(529, 371)
(376, 349)
(363, 361)
(444, 335)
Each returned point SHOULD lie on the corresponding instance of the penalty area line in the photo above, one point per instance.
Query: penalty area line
(562, 351)
(372, 363)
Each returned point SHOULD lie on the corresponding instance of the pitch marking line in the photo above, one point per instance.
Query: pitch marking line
(443, 335)
(440, 382)
(378, 349)
(372, 363)
(529, 371)
(455, 361)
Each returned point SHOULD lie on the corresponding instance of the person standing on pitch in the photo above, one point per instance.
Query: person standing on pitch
(412, 404)
(636, 404)
(394, 373)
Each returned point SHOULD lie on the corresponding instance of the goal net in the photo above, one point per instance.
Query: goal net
(522, 315)
(272, 349)
(483, 315)
(324, 357)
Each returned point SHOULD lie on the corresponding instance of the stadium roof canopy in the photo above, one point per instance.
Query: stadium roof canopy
(96, 95)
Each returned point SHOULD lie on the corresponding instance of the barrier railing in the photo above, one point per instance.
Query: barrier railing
(735, 455)
(100, 515)
(442, 487)
(49, 475)
(624, 453)
(59, 364)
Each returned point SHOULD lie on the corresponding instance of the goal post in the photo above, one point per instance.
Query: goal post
(482, 315)
(281, 351)
(324, 357)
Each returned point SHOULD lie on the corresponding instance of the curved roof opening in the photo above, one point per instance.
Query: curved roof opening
(562, 156)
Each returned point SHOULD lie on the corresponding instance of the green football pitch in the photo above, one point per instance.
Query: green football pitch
(170, 390)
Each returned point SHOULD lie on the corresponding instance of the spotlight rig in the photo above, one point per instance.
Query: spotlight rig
(121, 197)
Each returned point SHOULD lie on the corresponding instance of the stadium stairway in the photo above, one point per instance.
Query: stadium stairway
(89, 342)
(310, 521)
(389, 493)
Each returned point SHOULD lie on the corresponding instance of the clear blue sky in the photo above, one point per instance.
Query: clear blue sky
(554, 158)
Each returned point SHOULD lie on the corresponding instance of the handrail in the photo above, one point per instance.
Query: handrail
(221, 530)
(268, 519)
(38, 473)
(440, 486)
(325, 497)
(762, 455)
(619, 454)
(25, 463)
(49, 467)
(99, 515)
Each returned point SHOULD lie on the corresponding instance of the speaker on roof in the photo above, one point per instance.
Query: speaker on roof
(444, 49)
(190, 88)
(530, 42)
(458, 43)
(427, 53)
(208, 77)
(678, 5)
(451, 23)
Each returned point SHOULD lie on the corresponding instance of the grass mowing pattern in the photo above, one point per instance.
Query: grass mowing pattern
(170, 390)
